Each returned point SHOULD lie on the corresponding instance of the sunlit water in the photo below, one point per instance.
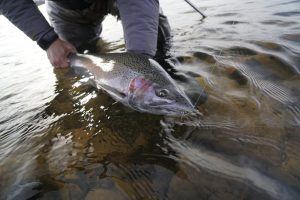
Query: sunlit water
(60, 138)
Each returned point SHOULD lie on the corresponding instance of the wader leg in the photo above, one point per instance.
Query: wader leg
(164, 30)
(187, 83)
(164, 37)
(76, 27)
(164, 41)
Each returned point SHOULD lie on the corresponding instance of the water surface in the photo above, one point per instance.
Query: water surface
(60, 138)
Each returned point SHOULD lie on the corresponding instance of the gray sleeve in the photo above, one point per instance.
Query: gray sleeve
(26, 16)
(140, 25)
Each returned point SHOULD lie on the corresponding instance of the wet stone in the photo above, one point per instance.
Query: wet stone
(104, 194)
(72, 192)
(237, 76)
(269, 45)
(107, 190)
(292, 37)
(185, 59)
(190, 184)
(51, 195)
(26, 191)
(71, 176)
(205, 57)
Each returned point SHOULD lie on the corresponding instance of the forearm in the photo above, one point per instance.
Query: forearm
(25, 15)
(140, 24)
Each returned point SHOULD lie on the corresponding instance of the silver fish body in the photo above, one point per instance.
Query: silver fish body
(135, 81)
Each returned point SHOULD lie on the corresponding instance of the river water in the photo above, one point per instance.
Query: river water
(60, 138)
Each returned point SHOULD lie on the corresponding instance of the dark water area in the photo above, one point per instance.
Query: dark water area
(60, 138)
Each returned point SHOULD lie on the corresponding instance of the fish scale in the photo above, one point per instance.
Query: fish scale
(138, 63)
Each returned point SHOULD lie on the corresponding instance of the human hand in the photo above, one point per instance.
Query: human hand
(58, 53)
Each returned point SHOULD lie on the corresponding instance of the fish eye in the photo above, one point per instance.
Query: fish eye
(162, 93)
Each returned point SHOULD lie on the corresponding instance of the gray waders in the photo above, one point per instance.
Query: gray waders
(82, 28)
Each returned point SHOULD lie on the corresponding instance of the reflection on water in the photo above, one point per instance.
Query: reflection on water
(60, 138)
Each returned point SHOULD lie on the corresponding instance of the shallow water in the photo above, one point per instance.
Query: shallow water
(60, 138)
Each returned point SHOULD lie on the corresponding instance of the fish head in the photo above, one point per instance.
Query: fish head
(167, 99)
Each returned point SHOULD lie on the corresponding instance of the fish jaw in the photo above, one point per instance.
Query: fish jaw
(172, 110)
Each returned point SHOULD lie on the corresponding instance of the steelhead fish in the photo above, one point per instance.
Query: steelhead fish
(135, 81)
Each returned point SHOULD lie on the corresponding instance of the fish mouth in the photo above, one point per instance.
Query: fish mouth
(165, 109)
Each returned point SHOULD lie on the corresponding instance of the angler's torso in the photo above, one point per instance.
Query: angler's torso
(78, 4)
